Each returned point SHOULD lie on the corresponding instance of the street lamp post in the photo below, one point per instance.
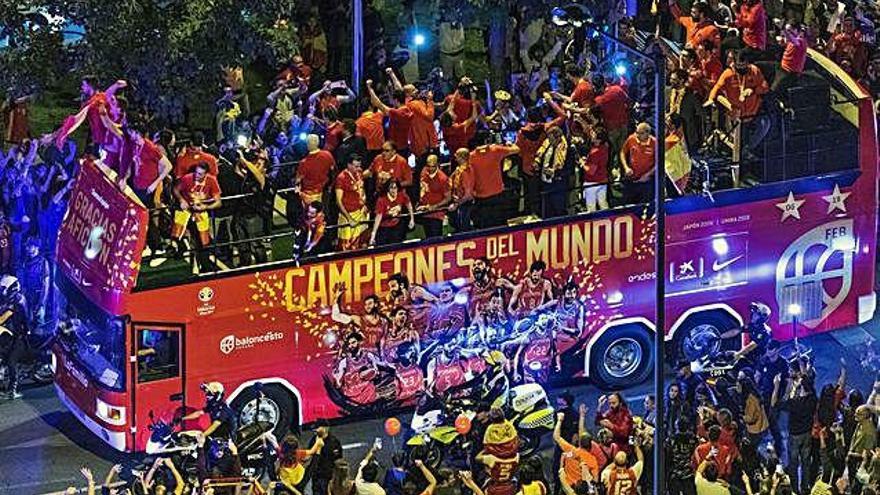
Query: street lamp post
(659, 62)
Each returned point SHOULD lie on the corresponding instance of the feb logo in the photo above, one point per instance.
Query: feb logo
(206, 294)
(815, 271)
(227, 344)
(94, 243)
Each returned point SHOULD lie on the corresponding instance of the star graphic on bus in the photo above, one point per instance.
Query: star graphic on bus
(836, 200)
(791, 207)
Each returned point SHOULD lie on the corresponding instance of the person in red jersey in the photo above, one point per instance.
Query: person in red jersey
(594, 171)
(435, 194)
(637, 161)
(583, 93)
(192, 154)
(457, 133)
(389, 165)
(351, 199)
(197, 193)
(388, 227)
(313, 172)
(532, 292)
(372, 324)
(699, 25)
(620, 479)
(793, 59)
(848, 45)
(96, 104)
(400, 118)
(461, 184)
(487, 162)
(752, 19)
(370, 127)
(528, 140)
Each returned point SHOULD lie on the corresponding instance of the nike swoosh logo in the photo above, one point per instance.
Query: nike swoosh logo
(716, 266)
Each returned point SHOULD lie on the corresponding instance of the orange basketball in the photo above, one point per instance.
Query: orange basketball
(462, 424)
(392, 427)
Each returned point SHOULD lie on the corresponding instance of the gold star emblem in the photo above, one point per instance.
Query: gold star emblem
(836, 200)
(791, 207)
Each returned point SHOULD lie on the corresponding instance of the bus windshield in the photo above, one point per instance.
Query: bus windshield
(95, 338)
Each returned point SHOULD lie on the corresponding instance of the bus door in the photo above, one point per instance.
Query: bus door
(157, 377)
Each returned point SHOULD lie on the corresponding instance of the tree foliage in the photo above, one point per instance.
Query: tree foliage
(168, 50)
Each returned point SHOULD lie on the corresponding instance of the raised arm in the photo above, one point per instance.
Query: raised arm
(429, 477)
(374, 100)
(395, 82)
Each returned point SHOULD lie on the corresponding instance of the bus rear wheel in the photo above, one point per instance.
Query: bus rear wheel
(276, 407)
(623, 356)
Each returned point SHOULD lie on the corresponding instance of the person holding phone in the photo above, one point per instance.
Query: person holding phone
(368, 472)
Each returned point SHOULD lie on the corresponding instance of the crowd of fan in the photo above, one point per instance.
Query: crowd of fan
(766, 431)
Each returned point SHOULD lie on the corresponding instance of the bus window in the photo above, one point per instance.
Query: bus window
(158, 354)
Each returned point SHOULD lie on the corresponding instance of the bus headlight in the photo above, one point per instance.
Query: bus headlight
(111, 414)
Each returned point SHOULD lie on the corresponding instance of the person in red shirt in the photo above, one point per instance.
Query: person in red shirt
(613, 103)
(637, 160)
(528, 140)
(583, 93)
(594, 168)
(699, 25)
(752, 19)
(722, 454)
(743, 87)
(144, 165)
(461, 184)
(389, 165)
(400, 118)
(435, 194)
(423, 135)
(613, 413)
(15, 115)
(309, 230)
(370, 127)
(298, 71)
(333, 133)
(313, 172)
(103, 113)
(487, 161)
(197, 193)
(848, 44)
(457, 133)
(793, 59)
(387, 225)
(195, 153)
(709, 65)
(351, 199)
(463, 105)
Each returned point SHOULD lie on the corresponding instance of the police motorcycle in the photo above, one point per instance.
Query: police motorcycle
(256, 444)
(11, 300)
(434, 432)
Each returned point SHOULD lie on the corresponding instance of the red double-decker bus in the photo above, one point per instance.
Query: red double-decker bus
(361, 333)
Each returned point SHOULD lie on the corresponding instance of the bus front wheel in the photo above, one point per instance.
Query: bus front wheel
(621, 357)
(276, 407)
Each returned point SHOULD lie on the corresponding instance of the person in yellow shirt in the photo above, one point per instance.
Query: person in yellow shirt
(291, 462)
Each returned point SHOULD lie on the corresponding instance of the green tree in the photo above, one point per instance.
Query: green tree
(170, 51)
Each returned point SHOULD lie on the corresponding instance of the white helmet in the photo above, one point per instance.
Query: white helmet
(213, 390)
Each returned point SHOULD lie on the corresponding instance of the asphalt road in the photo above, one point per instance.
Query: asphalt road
(43, 446)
